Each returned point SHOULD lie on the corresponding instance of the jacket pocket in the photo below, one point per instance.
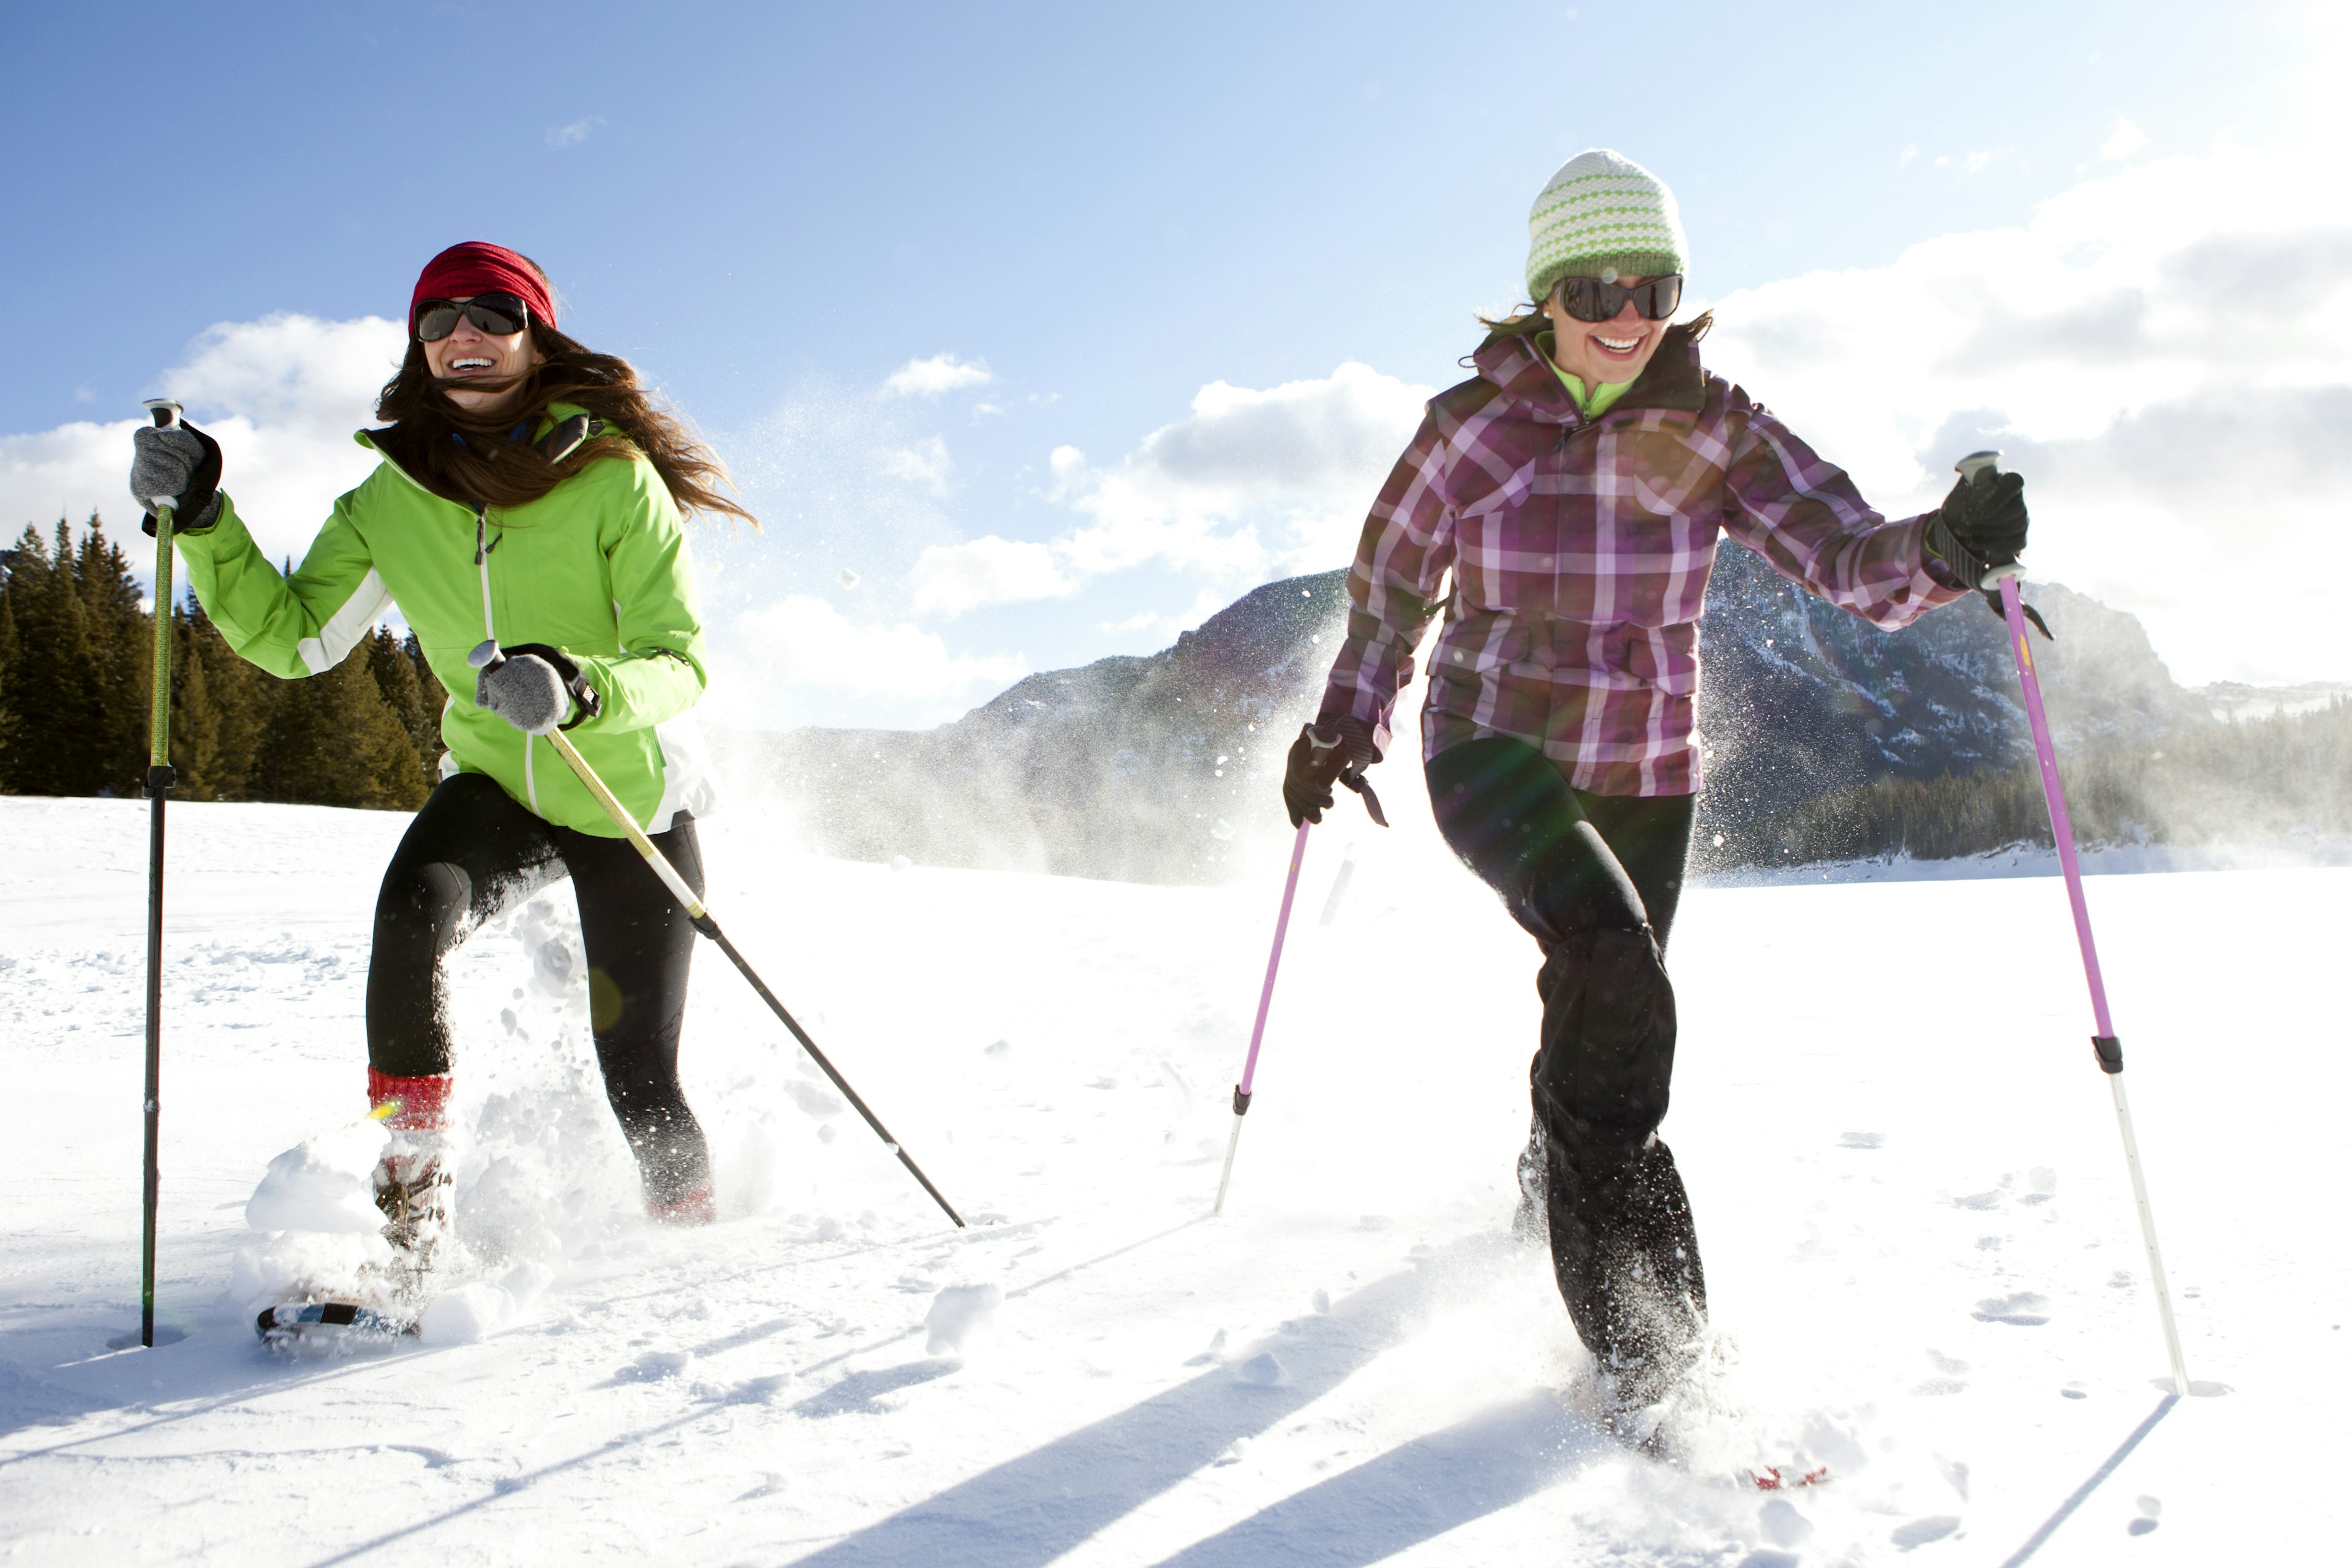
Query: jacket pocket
(1664, 657)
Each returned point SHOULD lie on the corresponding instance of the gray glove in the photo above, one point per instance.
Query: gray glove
(525, 690)
(181, 469)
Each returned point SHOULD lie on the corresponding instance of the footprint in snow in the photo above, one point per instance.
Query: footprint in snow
(958, 1312)
(654, 1366)
(1863, 1141)
(1921, 1531)
(1978, 1200)
(1782, 1524)
(2026, 1309)
(2148, 1508)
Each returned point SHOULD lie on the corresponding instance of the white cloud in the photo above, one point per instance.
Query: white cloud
(1251, 481)
(2165, 352)
(2126, 140)
(924, 463)
(941, 372)
(948, 580)
(281, 394)
(803, 646)
(559, 137)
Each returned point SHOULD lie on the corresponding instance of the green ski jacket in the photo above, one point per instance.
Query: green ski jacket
(597, 567)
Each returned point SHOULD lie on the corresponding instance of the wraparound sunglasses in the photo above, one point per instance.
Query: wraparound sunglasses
(499, 315)
(1590, 300)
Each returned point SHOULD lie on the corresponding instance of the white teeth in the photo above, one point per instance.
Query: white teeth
(469, 364)
(1621, 345)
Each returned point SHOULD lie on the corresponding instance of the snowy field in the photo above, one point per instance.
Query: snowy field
(1925, 1268)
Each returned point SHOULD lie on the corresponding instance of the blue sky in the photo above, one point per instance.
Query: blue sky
(1092, 213)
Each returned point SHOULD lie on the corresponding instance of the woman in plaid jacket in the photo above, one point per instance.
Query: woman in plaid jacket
(1576, 487)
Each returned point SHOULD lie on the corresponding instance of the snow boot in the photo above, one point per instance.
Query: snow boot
(1624, 1250)
(412, 1181)
(697, 1205)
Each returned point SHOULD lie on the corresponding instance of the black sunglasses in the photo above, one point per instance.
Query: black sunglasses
(499, 315)
(1590, 300)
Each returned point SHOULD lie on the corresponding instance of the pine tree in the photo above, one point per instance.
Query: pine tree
(395, 677)
(123, 657)
(7, 665)
(243, 697)
(195, 718)
(60, 743)
(333, 740)
(435, 695)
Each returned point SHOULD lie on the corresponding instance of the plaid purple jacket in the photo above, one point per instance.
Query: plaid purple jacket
(1580, 551)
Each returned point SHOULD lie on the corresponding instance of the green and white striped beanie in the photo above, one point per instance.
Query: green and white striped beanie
(1603, 210)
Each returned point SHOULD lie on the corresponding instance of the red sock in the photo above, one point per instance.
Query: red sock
(696, 1208)
(409, 1104)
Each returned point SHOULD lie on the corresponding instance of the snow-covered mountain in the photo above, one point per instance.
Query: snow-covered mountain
(1144, 769)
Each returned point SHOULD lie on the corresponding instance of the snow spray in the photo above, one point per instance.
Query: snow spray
(2104, 1045)
(487, 656)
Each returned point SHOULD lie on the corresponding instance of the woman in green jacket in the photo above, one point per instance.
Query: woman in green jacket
(530, 493)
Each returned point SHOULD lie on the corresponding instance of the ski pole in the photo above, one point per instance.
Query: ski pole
(1353, 777)
(160, 779)
(2105, 1046)
(487, 657)
(1264, 1003)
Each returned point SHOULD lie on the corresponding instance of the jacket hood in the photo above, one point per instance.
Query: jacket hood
(1673, 379)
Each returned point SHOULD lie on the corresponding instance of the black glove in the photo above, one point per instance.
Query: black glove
(1981, 526)
(533, 687)
(1330, 750)
(180, 468)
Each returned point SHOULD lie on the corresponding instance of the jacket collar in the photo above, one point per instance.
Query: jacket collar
(1673, 379)
(375, 440)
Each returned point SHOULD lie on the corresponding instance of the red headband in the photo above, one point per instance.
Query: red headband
(474, 267)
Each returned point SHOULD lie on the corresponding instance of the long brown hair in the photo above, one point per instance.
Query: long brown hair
(486, 465)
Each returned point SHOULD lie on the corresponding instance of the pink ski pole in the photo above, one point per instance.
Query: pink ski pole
(1264, 1003)
(2108, 1049)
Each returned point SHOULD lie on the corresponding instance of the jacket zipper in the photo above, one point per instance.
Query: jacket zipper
(483, 545)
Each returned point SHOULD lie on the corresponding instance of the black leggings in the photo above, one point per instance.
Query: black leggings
(1560, 858)
(1595, 879)
(472, 851)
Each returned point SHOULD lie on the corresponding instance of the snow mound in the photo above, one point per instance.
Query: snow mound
(1262, 1371)
(466, 1315)
(473, 1312)
(958, 1311)
(323, 1184)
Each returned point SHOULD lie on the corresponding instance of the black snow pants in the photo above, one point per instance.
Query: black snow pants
(1595, 880)
(471, 851)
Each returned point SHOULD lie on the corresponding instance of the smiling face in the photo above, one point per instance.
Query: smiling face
(1598, 352)
(470, 353)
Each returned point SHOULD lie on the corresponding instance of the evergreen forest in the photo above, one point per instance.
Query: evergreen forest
(77, 659)
(2283, 778)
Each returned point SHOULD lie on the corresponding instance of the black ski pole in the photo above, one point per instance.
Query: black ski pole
(486, 657)
(160, 778)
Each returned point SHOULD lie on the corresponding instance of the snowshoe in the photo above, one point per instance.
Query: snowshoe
(299, 1326)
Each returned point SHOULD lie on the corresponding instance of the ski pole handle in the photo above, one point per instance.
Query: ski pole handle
(1978, 466)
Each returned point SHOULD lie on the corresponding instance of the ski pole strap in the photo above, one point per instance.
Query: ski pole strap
(2109, 1049)
(1992, 599)
(1355, 780)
